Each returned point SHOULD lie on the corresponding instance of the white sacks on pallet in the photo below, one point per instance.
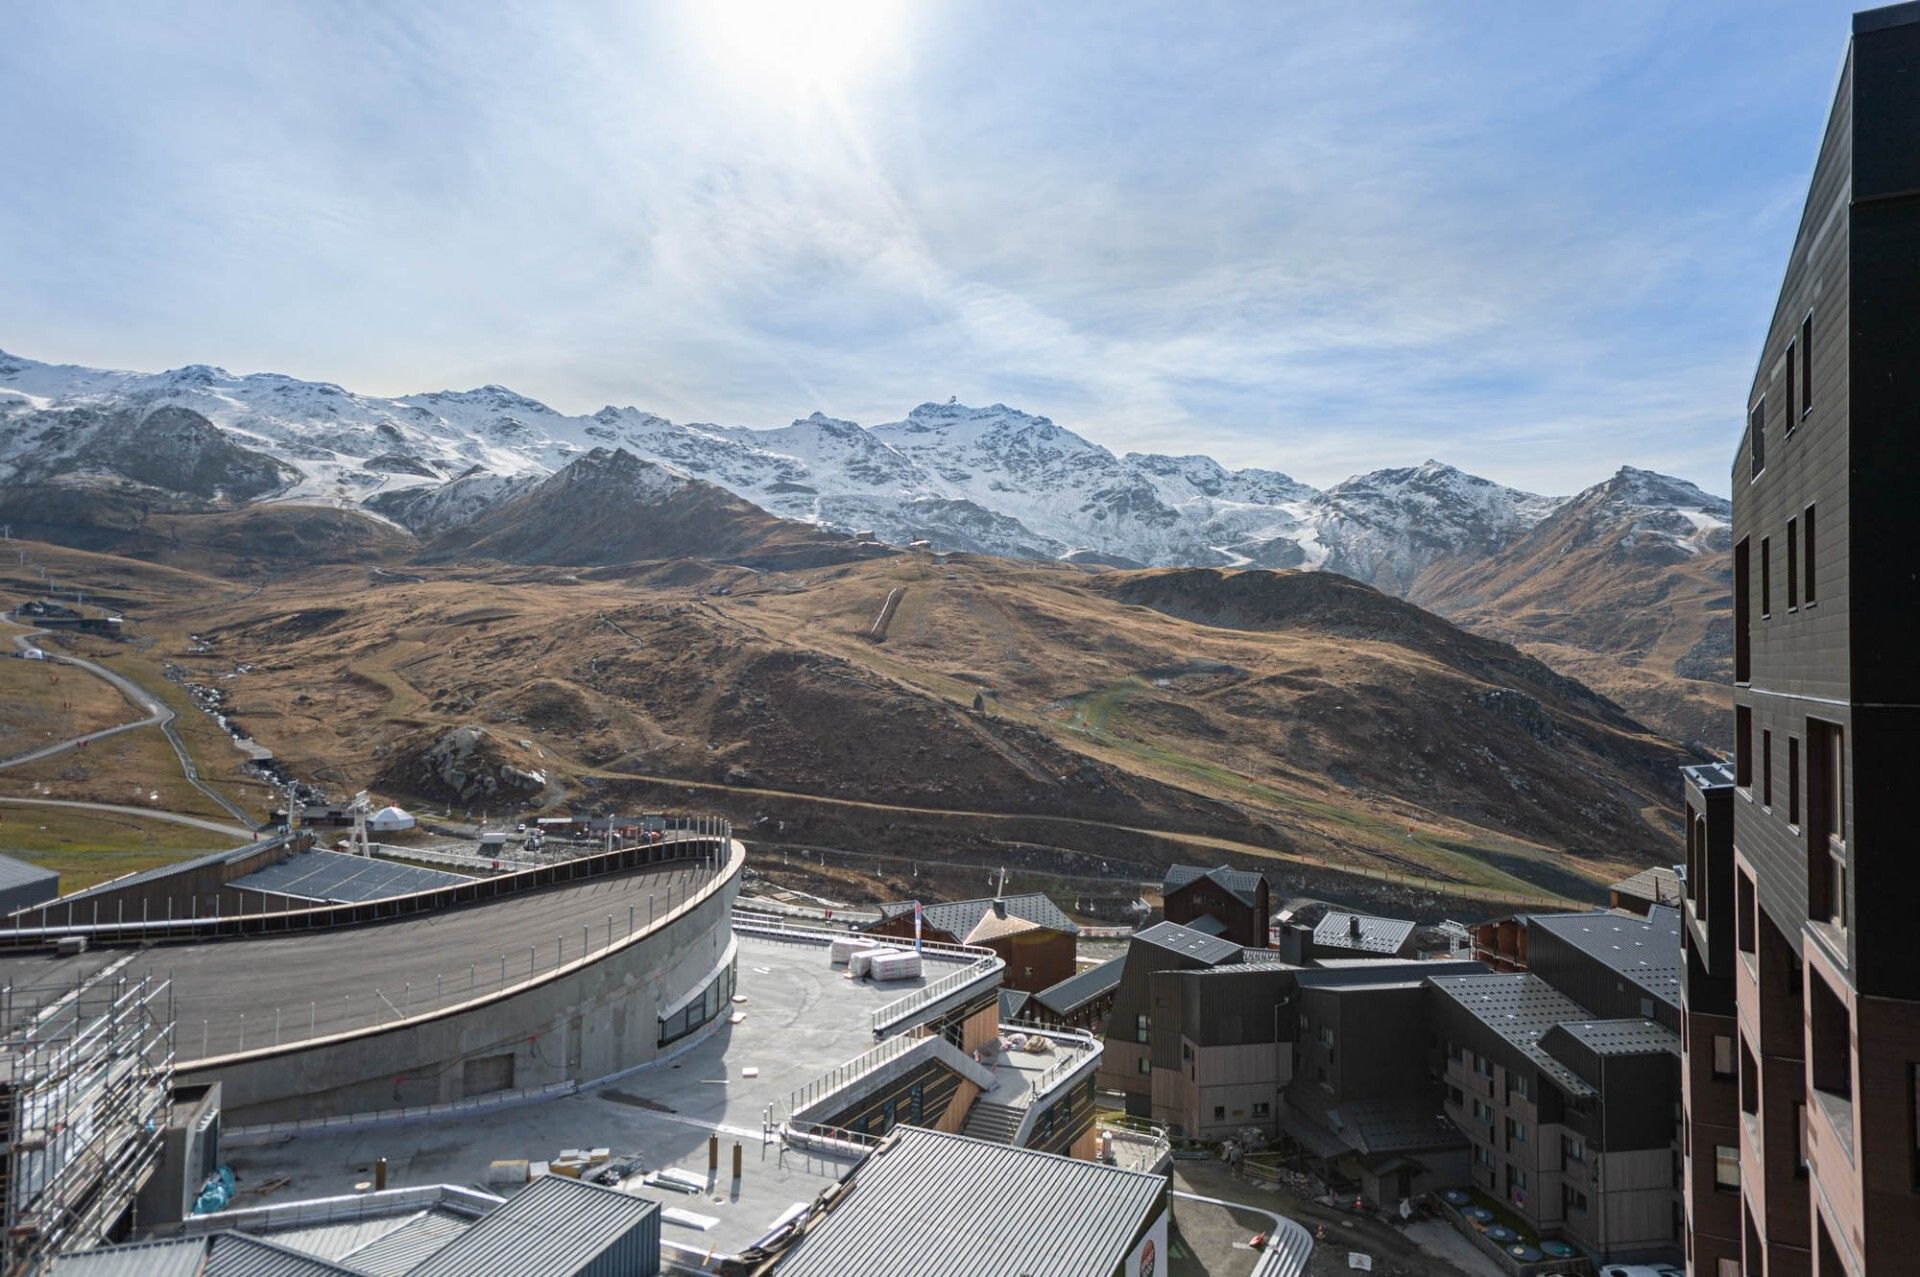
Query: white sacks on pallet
(860, 962)
(900, 964)
(844, 947)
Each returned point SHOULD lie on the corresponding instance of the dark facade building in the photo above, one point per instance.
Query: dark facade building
(1313, 934)
(1037, 941)
(1127, 1066)
(1826, 954)
(1238, 901)
(1709, 1089)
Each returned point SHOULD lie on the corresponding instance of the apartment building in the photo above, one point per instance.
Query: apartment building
(1825, 957)
(1227, 902)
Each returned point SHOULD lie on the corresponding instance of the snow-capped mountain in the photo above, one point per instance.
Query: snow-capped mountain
(993, 479)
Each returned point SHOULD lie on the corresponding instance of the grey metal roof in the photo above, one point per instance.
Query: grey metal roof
(1644, 950)
(1012, 1003)
(1375, 973)
(1207, 923)
(1521, 1008)
(1622, 1037)
(1706, 776)
(223, 1254)
(1175, 938)
(1082, 987)
(333, 876)
(1242, 884)
(1395, 1124)
(18, 873)
(958, 917)
(938, 1205)
(407, 1247)
(1376, 935)
(554, 1225)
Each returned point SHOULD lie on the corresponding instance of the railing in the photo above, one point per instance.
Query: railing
(858, 1067)
(1153, 1149)
(1080, 1048)
(837, 1139)
(271, 1132)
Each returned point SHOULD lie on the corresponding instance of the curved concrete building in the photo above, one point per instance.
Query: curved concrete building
(536, 979)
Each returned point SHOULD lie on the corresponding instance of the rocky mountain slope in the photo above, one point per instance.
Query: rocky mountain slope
(1622, 584)
(1626, 586)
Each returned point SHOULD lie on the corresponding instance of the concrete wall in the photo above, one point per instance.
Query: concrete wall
(592, 1018)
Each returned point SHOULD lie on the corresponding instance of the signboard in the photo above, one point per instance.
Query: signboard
(1149, 1257)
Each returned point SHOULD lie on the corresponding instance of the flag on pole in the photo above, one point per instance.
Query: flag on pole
(916, 927)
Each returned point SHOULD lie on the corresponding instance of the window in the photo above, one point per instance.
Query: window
(887, 1114)
(1517, 1185)
(1806, 364)
(916, 1105)
(1800, 1137)
(1826, 823)
(1793, 565)
(1572, 1201)
(1743, 747)
(1573, 1151)
(1749, 1083)
(1140, 1028)
(1146, 1067)
(1483, 1066)
(1793, 388)
(1913, 1095)
(1766, 771)
(1517, 1085)
(1766, 577)
(1262, 1109)
(1516, 1132)
(1483, 1155)
(1456, 1096)
(1812, 595)
(1326, 1035)
(1793, 780)
(1722, 1056)
(1831, 1043)
(1744, 922)
(1757, 438)
(1726, 1168)
(1742, 616)
(1219, 1112)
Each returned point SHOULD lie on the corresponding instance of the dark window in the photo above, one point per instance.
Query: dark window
(1793, 780)
(1793, 395)
(1913, 1125)
(1743, 747)
(1219, 1112)
(1742, 616)
(1793, 565)
(916, 1105)
(1830, 1052)
(1749, 1083)
(1262, 1109)
(1744, 923)
(1766, 769)
(1766, 577)
(1757, 437)
(1140, 1028)
(1722, 1056)
(1806, 364)
(1812, 593)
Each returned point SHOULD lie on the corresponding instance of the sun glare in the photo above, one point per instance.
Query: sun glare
(801, 44)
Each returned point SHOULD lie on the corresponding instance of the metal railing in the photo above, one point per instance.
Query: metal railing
(818, 1136)
(271, 1132)
(894, 1012)
(853, 1070)
(1080, 1047)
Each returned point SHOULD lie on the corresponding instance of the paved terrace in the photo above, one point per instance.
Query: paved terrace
(235, 993)
(802, 1019)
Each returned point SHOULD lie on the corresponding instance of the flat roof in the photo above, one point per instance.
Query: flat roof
(334, 980)
(940, 1205)
(336, 877)
(803, 1017)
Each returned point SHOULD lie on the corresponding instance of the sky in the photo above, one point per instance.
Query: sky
(1537, 241)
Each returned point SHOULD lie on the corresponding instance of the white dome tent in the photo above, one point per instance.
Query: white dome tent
(389, 820)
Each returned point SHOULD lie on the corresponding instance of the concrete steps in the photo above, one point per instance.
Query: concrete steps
(999, 1123)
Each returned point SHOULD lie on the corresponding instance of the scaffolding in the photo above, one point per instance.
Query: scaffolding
(86, 1081)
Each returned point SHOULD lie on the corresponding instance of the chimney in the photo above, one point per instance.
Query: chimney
(1353, 925)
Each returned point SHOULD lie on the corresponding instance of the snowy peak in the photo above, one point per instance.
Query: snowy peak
(1649, 489)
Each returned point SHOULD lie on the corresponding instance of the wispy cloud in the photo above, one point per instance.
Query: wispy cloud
(1537, 241)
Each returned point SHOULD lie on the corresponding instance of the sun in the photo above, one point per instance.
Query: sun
(799, 44)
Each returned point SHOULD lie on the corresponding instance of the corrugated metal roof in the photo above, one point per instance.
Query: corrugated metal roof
(938, 1205)
(1521, 1008)
(1012, 1003)
(1659, 885)
(412, 1244)
(1082, 987)
(334, 876)
(554, 1226)
(1175, 938)
(1623, 1037)
(1242, 884)
(18, 873)
(337, 1240)
(223, 1254)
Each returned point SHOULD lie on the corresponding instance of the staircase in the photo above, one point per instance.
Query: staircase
(998, 1123)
